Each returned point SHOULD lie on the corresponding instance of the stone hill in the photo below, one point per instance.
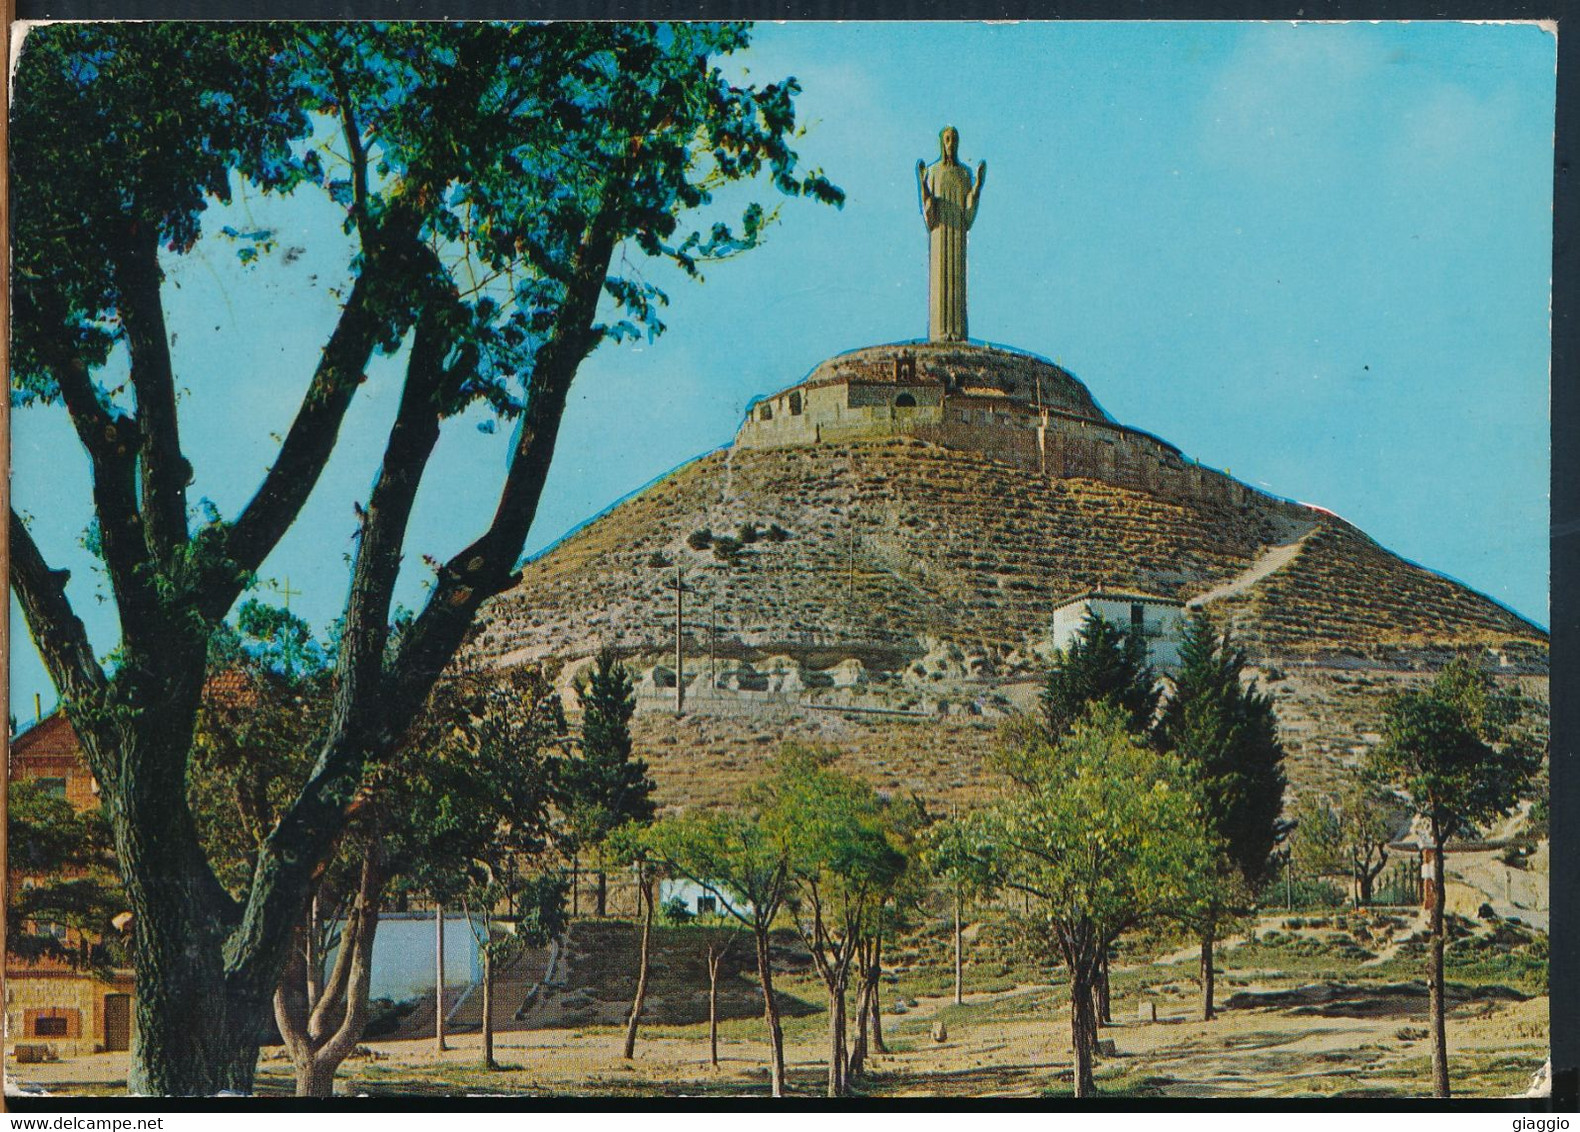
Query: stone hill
(893, 595)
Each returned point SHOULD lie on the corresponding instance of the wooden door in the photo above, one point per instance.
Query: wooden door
(117, 1021)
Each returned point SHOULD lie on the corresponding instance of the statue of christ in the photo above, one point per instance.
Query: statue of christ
(949, 205)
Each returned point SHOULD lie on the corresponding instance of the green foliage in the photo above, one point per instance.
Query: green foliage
(1226, 730)
(1455, 750)
(63, 875)
(1101, 831)
(532, 907)
(497, 139)
(726, 548)
(831, 828)
(476, 787)
(727, 852)
(1102, 664)
(675, 913)
(700, 539)
(605, 787)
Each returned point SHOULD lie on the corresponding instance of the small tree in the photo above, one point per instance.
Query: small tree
(898, 901)
(1453, 748)
(731, 856)
(536, 907)
(1348, 832)
(606, 786)
(1225, 729)
(961, 880)
(1104, 833)
(1102, 663)
(842, 866)
(626, 844)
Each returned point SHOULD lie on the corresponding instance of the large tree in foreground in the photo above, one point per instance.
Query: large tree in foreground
(488, 175)
(1456, 751)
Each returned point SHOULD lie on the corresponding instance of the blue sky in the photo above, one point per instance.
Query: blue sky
(1317, 255)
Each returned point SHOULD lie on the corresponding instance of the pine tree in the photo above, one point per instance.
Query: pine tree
(1226, 729)
(606, 787)
(1102, 663)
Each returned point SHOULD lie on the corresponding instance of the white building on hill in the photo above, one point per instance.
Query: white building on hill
(1159, 620)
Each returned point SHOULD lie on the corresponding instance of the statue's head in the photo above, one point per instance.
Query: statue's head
(949, 143)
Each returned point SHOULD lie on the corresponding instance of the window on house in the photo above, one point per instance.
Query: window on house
(905, 401)
(1137, 616)
(766, 413)
(49, 1026)
(795, 404)
(53, 787)
(707, 905)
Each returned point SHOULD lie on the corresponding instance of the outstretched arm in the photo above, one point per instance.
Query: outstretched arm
(976, 193)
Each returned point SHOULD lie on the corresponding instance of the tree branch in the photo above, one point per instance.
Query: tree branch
(165, 471)
(365, 720)
(111, 440)
(486, 567)
(61, 637)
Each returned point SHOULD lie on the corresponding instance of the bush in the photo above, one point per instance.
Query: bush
(747, 532)
(699, 539)
(726, 549)
(1485, 912)
(675, 913)
(658, 560)
(385, 1016)
(776, 533)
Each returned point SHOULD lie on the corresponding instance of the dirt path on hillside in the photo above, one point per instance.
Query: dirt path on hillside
(1270, 562)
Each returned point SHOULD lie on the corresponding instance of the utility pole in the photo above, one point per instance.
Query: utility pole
(680, 639)
(713, 645)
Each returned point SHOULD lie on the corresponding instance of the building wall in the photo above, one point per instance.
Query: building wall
(32, 994)
(1071, 447)
(1162, 625)
(49, 750)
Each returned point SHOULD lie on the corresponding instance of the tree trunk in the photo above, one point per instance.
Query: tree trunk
(488, 1002)
(858, 1050)
(602, 896)
(1083, 1037)
(875, 1006)
(438, 990)
(196, 1031)
(1103, 993)
(959, 953)
(715, 956)
(776, 1041)
(1207, 1011)
(575, 883)
(644, 894)
(1436, 989)
(322, 1021)
(836, 1040)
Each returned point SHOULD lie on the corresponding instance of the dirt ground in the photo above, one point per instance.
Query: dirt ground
(1003, 1043)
